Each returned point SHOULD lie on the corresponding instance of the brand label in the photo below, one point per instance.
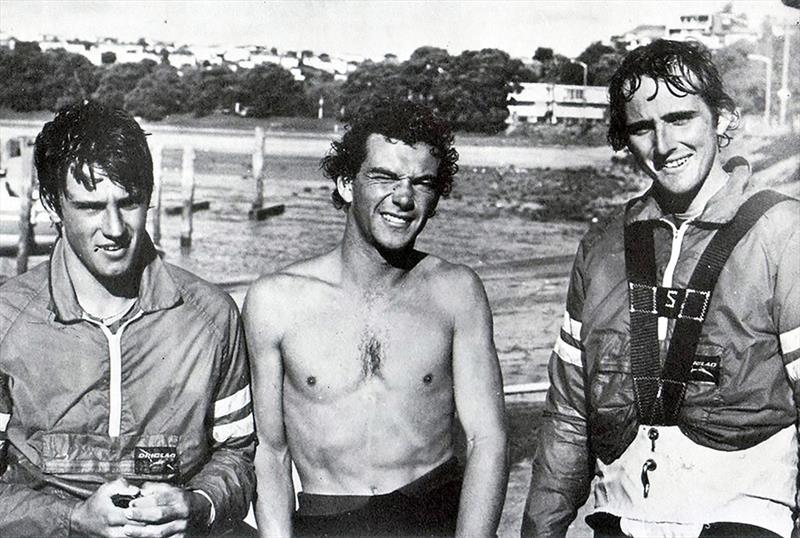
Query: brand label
(160, 460)
(705, 370)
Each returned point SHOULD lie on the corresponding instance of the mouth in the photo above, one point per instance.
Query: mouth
(113, 249)
(674, 164)
(396, 220)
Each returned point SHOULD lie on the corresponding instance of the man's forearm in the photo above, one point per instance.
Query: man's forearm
(483, 492)
(275, 503)
(28, 513)
(229, 480)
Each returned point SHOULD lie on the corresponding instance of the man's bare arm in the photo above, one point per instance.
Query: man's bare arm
(479, 401)
(275, 501)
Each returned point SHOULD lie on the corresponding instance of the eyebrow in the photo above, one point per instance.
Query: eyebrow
(668, 117)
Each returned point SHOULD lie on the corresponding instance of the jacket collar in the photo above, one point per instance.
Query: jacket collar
(720, 208)
(157, 289)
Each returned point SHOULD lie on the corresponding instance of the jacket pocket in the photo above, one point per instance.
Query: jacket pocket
(612, 403)
(97, 457)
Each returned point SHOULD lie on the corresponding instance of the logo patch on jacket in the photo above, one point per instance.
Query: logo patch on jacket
(162, 460)
(705, 369)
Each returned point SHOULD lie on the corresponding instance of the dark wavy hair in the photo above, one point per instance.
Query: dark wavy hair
(408, 122)
(684, 67)
(85, 135)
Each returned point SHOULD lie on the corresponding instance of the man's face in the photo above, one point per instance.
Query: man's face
(103, 227)
(394, 193)
(674, 139)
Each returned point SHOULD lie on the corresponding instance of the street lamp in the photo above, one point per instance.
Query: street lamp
(585, 69)
(585, 77)
(768, 99)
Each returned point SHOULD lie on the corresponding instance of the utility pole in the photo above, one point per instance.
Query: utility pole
(784, 93)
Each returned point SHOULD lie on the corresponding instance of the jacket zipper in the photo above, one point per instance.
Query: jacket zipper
(115, 373)
(669, 270)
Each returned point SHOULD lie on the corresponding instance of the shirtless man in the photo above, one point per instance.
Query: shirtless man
(362, 356)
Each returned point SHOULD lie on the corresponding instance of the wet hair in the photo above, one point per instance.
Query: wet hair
(683, 67)
(88, 135)
(408, 122)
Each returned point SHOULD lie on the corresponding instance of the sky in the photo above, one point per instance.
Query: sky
(362, 27)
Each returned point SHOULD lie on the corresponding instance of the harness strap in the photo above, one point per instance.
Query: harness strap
(660, 392)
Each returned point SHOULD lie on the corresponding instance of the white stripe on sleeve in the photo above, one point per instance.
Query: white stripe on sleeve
(232, 403)
(793, 369)
(4, 418)
(790, 341)
(572, 327)
(240, 428)
(568, 353)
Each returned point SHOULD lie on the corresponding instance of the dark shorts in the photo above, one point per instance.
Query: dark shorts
(607, 526)
(428, 506)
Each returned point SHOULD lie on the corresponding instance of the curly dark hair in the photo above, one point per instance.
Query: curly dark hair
(684, 67)
(90, 134)
(408, 122)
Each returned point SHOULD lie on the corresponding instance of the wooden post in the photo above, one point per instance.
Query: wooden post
(258, 167)
(25, 203)
(155, 213)
(187, 189)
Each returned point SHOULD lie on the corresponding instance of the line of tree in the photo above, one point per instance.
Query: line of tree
(471, 89)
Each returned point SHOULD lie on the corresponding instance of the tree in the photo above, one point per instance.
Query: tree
(108, 58)
(22, 71)
(158, 94)
(270, 90)
(70, 78)
(543, 54)
(120, 79)
(210, 89)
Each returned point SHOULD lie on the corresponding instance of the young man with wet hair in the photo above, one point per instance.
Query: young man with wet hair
(362, 357)
(124, 389)
(674, 381)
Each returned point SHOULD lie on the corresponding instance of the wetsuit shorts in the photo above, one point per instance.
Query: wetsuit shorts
(428, 506)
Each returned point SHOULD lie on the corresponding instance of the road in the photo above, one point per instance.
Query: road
(315, 145)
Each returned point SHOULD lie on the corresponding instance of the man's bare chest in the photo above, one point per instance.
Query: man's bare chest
(345, 345)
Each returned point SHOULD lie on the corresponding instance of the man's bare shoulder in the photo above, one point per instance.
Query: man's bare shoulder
(288, 285)
(455, 285)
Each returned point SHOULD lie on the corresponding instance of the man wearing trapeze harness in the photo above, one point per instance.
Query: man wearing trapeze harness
(674, 381)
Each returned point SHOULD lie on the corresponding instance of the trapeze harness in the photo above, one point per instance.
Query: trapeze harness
(660, 391)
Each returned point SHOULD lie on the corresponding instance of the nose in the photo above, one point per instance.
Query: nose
(663, 142)
(113, 225)
(403, 194)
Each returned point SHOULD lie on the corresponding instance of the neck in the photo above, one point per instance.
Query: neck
(100, 298)
(365, 264)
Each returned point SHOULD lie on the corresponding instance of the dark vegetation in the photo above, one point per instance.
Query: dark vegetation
(471, 88)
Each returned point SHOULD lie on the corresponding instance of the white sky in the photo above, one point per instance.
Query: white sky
(368, 28)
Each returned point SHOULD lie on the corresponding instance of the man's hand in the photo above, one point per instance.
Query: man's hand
(97, 515)
(166, 510)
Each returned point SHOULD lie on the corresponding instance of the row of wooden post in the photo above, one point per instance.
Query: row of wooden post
(188, 205)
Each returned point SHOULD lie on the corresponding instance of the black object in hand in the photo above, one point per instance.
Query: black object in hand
(122, 501)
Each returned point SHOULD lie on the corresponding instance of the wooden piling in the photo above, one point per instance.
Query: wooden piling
(27, 181)
(187, 190)
(258, 168)
(155, 212)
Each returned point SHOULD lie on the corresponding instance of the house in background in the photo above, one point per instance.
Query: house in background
(541, 101)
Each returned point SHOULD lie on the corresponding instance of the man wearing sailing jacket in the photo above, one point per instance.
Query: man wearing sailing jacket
(674, 381)
(124, 390)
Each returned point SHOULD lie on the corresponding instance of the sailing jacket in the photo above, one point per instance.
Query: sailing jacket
(163, 395)
(743, 387)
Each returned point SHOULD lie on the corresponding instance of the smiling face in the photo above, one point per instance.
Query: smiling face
(674, 139)
(393, 194)
(103, 228)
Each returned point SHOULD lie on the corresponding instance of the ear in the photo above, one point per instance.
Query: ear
(724, 120)
(344, 186)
